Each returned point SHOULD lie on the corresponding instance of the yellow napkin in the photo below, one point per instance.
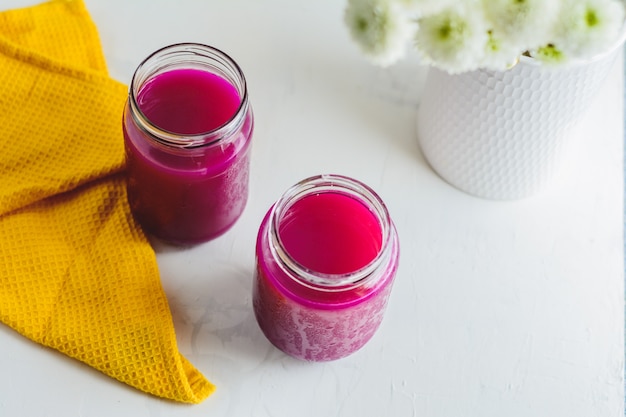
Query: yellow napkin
(76, 272)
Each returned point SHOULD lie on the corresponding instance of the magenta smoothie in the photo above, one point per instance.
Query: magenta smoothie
(326, 260)
(187, 133)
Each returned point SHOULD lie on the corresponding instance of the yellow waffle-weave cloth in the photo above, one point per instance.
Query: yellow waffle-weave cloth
(76, 272)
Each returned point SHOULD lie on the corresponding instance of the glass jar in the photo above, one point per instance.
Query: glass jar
(187, 130)
(327, 254)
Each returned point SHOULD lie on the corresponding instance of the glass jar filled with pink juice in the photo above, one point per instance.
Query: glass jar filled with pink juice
(327, 254)
(187, 129)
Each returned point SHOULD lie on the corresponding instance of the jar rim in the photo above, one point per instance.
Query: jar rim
(329, 183)
(195, 140)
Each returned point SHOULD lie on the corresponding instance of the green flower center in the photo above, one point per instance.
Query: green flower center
(451, 30)
(493, 44)
(362, 24)
(550, 54)
(591, 18)
(444, 31)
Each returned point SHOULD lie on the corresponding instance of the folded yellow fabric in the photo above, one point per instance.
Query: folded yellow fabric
(76, 272)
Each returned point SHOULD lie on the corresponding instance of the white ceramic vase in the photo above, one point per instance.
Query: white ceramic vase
(502, 135)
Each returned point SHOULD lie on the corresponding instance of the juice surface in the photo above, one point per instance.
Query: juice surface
(188, 101)
(331, 233)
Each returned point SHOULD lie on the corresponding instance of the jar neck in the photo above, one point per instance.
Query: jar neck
(367, 275)
(188, 56)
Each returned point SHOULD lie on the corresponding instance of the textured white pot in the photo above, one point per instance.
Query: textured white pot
(502, 135)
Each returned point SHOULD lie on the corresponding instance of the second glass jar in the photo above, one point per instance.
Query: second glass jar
(327, 254)
(187, 128)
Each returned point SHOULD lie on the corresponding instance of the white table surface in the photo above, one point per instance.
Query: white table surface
(499, 308)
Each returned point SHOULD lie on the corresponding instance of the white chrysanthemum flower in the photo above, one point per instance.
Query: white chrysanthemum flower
(380, 28)
(453, 39)
(500, 52)
(588, 27)
(463, 35)
(523, 22)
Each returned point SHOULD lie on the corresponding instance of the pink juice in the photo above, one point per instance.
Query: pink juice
(188, 101)
(188, 171)
(334, 236)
